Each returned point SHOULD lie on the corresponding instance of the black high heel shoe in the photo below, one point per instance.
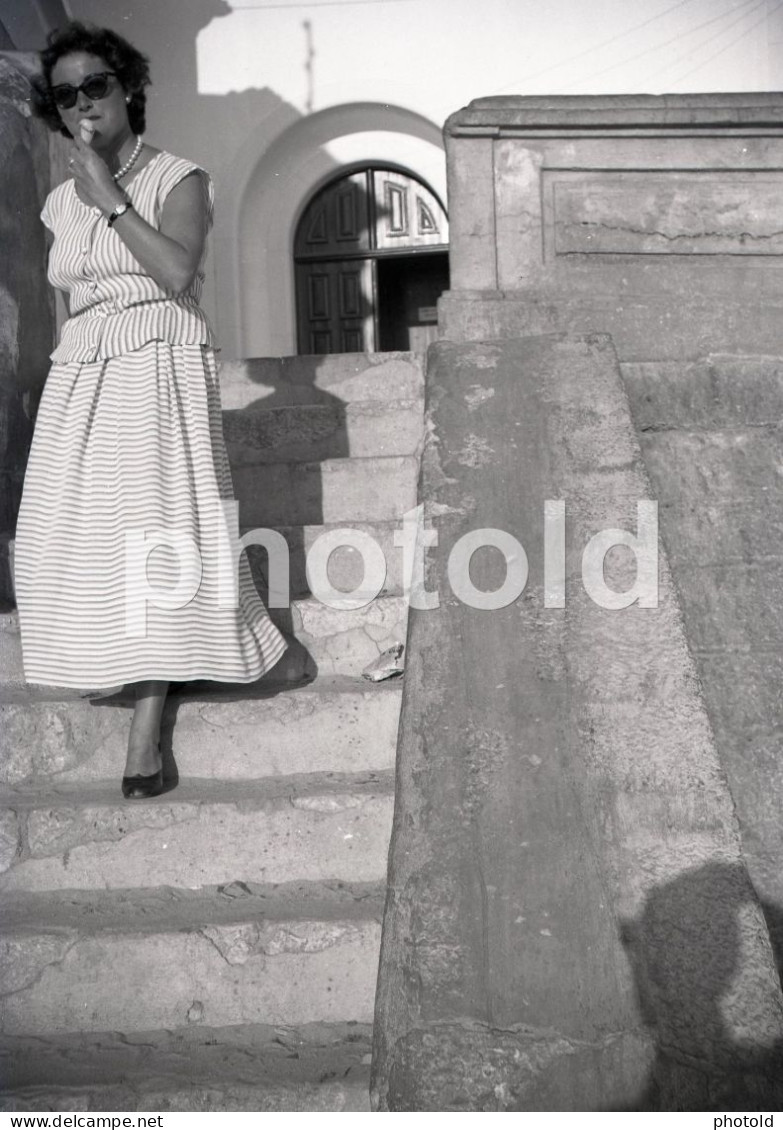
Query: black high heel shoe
(139, 787)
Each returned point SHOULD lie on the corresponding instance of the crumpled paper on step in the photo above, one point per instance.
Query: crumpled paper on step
(388, 665)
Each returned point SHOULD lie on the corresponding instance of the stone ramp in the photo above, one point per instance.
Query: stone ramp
(216, 948)
(570, 922)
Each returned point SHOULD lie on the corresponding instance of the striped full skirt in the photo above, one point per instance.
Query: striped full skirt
(119, 573)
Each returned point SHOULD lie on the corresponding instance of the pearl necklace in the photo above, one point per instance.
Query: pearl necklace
(126, 168)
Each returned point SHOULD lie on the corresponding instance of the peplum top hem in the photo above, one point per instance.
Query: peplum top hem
(111, 328)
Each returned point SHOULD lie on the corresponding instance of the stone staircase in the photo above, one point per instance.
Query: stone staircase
(217, 947)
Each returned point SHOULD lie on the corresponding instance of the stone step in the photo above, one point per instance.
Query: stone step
(134, 961)
(313, 827)
(305, 432)
(337, 724)
(335, 490)
(330, 379)
(346, 566)
(245, 1067)
(344, 641)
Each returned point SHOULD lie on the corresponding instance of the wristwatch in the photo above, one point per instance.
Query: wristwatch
(120, 210)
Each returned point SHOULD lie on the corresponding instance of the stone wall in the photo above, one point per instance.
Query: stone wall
(655, 219)
(26, 302)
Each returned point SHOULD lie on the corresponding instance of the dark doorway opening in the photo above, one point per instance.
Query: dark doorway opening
(408, 291)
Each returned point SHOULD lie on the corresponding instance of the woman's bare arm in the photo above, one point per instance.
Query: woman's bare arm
(171, 255)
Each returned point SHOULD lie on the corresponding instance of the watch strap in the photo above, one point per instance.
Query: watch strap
(120, 210)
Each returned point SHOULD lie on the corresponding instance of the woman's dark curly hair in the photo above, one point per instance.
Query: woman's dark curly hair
(129, 65)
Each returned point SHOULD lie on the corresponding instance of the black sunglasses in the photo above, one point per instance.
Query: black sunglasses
(94, 86)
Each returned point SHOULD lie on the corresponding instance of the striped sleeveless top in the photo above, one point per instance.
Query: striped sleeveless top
(115, 306)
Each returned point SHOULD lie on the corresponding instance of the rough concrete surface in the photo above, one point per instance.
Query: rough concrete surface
(566, 872)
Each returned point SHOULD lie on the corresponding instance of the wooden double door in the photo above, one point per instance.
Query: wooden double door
(371, 254)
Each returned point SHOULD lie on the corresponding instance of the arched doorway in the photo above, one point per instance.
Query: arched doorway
(371, 261)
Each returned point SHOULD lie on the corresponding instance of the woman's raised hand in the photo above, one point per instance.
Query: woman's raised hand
(92, 176)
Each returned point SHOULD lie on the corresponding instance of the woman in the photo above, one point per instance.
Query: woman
(128, 464)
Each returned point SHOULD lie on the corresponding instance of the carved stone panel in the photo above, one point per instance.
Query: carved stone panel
(664, 213)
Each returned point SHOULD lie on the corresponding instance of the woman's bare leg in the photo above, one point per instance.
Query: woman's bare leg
(144, 740)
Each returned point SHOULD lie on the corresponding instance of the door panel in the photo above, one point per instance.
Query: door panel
(335, 307)
(336, 221)
(406, 213)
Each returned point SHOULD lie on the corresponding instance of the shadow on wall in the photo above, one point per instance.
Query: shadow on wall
(698, 991)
